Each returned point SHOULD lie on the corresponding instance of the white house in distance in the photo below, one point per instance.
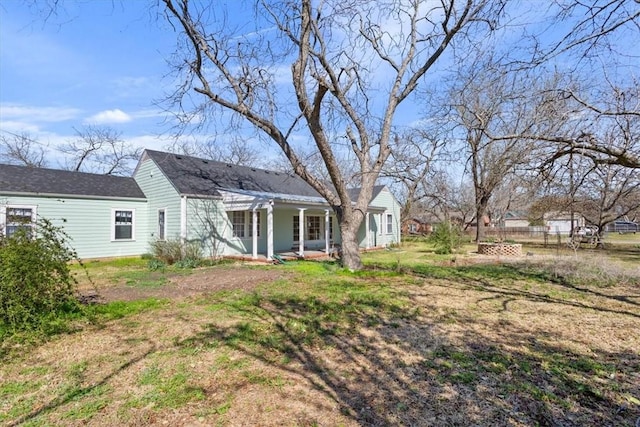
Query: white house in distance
(229, 210)
(555, 222)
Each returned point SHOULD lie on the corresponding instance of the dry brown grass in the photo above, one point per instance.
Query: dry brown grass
(479, 345)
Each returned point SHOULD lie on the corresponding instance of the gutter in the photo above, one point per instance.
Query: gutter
(71, 196)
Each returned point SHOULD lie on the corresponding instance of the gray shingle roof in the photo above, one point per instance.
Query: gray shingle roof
(192, 175)
(22, 179)
(355, 192)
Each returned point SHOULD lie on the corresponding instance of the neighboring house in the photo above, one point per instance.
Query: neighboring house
(229, 210)
(413, 226)
(560, 222)
(515, 219)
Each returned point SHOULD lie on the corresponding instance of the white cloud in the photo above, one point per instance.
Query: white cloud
(108, 116)
(149, 114)
(37, 114)
(15, 126)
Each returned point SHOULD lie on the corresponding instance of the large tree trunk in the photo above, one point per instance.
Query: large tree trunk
(349, 221)
(350, 248)
(481, 210)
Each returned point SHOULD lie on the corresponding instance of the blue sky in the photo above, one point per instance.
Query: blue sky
(101, 62)
(94, 63)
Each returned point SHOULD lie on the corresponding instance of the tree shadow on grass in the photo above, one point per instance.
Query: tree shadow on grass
(74, 392)
(385, 364)
(500, 279)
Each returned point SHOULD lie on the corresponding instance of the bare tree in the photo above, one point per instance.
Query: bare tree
(351, 65)
(489, 101)
(414, 165)
(608, 193)
(99, 150)
(236, 151)
(589, 26)
(22, 149)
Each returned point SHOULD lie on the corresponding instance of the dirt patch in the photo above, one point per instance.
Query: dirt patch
(200, 282)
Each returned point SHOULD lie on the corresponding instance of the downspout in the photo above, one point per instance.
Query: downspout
(183, 219)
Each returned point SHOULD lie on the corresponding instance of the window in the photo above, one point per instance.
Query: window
(162, 224)
(330, 228)
(19, 218)
(237, 223)
(251, 224)
(296, 228)
(313, 228)
(242, 223)
(123, 220)
(389, 223)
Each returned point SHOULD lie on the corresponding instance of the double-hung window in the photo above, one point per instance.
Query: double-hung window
(19, 218)
(389, 224)
(296, 228)
(242, 224)
(238, 224)
(123, 224)
(314, 231)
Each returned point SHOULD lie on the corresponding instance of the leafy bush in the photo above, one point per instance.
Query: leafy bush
(172, 251)
(446, 237)
(156, 264)
(188, 263)
(35, 278)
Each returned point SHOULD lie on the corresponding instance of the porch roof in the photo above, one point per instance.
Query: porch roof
(244, 197)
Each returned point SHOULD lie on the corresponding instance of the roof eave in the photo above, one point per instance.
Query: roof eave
(71, 196)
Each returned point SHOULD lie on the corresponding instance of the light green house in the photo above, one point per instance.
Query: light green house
(229, 210)
(105, 216)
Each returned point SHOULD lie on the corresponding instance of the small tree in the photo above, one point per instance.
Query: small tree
(35, 279)
(446, 237)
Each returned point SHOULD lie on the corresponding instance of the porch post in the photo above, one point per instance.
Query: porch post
(301, 233)
(254, 235)
(367, 242)
(270, 230)
(326, 231)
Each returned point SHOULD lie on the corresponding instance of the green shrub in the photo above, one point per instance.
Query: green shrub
(172, 251)
(446, 238)
(35, 278)
(156, 264)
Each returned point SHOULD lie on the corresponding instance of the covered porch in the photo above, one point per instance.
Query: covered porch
(290, 226)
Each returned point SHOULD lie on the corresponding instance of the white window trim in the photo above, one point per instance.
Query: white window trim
(322, 224)
(133, 224)
(231, 216)
(3, 215)
(164, 232)
(248, 224)
(388, 223)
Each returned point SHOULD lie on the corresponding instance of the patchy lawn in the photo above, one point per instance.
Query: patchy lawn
(474, 342)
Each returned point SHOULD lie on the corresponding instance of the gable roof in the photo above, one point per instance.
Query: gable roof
(23, 179)
(195, 176)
